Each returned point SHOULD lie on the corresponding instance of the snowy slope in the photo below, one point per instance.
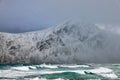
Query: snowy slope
(72, 42)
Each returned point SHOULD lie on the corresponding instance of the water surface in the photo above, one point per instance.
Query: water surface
(60, 72)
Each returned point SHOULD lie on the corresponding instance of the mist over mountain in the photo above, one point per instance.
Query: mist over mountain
(73, 42)
(17, 16)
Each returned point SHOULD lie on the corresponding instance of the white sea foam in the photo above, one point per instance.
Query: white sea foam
(60, 79)
(54, 72)
(111, 75)
(51, 72)
(37, 78)
(26, 70)
(48, 66)
(56, 66)
(74, 66)
(22, 68)
(105, 72)
(32, 67)
(101, 70)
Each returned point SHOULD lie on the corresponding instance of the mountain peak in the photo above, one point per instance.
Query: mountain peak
(77, 28)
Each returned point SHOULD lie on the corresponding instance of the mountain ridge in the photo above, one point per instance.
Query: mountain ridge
(73, 42)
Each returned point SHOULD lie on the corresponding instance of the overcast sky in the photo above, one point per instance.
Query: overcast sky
(28, 15)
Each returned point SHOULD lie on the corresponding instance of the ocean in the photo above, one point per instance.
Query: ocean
(60, 72)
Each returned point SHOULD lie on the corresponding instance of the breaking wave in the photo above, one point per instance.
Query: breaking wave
(59, 72)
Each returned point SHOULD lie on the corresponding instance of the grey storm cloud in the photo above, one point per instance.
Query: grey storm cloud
(28, 15)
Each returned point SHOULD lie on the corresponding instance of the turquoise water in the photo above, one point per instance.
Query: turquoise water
(60, 72)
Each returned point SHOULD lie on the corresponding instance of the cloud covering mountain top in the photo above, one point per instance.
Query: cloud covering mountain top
(28, 15)
(73, 42)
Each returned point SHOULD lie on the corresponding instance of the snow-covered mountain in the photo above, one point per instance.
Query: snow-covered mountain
(72, 42)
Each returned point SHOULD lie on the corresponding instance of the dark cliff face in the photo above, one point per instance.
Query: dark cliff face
(69, 43)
